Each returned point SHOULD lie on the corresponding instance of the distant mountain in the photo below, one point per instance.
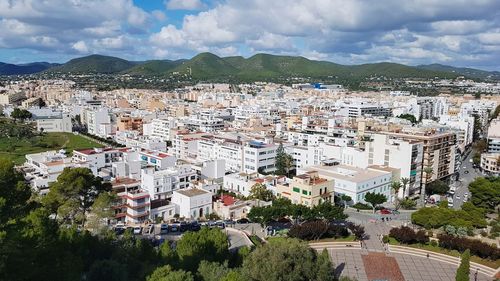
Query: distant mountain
(21, 69)
(94, 64)
(207, 66)
(468, 72)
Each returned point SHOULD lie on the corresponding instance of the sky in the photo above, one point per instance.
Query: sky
(413, 32)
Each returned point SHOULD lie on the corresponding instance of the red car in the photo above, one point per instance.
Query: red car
(385, 212)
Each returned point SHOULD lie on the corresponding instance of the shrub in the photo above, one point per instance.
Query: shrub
(337, 231)
(434, 243)
(463, 270)
(357, 230)
(407, 235)
(478, 248)
(385, 239)
(362, 206)
(309, 230)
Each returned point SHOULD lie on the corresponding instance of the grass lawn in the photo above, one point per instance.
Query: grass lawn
(15, 149)
(454, 253)
(350, 238)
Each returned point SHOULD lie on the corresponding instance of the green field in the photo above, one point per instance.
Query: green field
(15, 149)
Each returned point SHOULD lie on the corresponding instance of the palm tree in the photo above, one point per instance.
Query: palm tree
(405, 182)
(395, 186)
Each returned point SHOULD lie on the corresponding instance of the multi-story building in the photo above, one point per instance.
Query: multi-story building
(490, 164)
(439, 149)
(160, 128)
(129, 123)
(405, 155)
(308, 189)
(54, 124)
(98, 122)
(355, 182)
(494, 136)
(161, 184)
(11, 98)
(158, 159)
(208, 124)
(134, 207)
(192, 203)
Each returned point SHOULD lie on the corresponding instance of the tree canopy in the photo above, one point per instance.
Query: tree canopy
(375, 199)
(485, 193)
(437, 187)
(260, 192)
(287, 259)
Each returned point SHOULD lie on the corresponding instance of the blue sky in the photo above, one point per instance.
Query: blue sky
(453, 32)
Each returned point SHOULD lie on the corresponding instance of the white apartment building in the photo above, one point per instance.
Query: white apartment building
(464, 124)
(490, 164)
(494, 136)
(242, 183)
(398, 154)
(158, 159)
(259, 156)
(355, 182)
(54, 124)
(161, 184)
(160, 128)
(98, 122)
(208, 124)
(43, 168)
(192, 203)
(98, 158)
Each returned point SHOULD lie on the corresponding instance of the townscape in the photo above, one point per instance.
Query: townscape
(247, 161)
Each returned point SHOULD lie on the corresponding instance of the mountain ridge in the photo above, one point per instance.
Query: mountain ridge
(206, 66)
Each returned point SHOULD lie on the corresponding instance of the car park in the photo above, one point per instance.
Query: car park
(457, 197)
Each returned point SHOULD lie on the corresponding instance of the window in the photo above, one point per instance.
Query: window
(304, 192)
(296, 189)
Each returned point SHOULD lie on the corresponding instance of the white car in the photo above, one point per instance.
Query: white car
(466, 195)
(457, 197)
(137, 230)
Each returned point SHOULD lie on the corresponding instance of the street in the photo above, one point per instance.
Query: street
(463, 183)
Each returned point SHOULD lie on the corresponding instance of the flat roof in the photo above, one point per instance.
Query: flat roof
(191, 192)
(347, 173)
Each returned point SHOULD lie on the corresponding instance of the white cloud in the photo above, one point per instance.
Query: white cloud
(184, 5)
(159, 15)
(81, 47)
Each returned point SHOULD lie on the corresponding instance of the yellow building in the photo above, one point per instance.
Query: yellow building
(307, 189)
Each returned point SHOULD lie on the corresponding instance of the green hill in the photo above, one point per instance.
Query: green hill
(207, 66)
(94, 64)
(465, 71)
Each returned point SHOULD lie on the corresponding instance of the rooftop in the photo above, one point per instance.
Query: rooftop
(191, 192)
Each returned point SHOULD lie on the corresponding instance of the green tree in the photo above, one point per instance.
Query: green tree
(463, 270)
(395, 187)
(437, 187)
(485, 193)
(283, 162)
(166, 273)
(285, 259)
(21, 114)
(260, 192)
(102, 211)
(73, 194)
(409, 117)
(206, 244)
(404, 184)
(325, 267)
(107, 270)
(375, 199)
(212, 271)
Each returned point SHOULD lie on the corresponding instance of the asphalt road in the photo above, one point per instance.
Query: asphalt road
(464, 180)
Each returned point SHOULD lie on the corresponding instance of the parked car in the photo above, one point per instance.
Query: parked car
(194, 226)
(229, 222)
(466, 171)
(243, 221)
(183, 226)
(164, 228)
(385, 212)
(174, 227)
(137, 230)
(119, 230)
(220, 224)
